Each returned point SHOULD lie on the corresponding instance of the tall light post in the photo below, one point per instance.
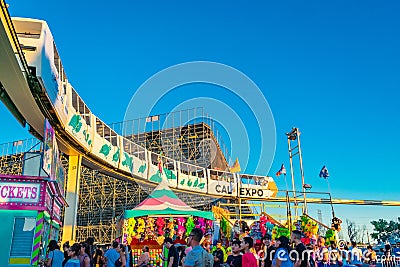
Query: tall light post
(293, 136)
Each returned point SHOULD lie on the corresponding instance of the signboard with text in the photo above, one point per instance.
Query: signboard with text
(19, 192)
(254, 191)
(222, 188)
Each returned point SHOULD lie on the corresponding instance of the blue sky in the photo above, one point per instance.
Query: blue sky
(330, 68)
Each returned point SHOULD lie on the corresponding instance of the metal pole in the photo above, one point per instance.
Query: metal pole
(302, 172)
(240, 209)
(287, 189)
(292, 174)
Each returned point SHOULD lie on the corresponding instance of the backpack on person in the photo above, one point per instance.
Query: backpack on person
(208, 259)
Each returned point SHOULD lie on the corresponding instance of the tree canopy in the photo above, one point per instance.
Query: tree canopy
(384, 230)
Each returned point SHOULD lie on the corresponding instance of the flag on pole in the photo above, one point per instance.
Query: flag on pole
(282, 170)
(324, 172)
(235, 167)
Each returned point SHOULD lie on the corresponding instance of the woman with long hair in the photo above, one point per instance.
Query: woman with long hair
(73, 253)
(55, 257)
(84, 255)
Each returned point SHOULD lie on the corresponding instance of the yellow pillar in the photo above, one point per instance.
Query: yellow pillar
(72, 197)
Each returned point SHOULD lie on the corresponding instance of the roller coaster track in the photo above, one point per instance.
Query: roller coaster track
(24, 97)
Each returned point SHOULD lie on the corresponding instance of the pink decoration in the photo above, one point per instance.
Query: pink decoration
(209, 224)
(160, 225)
(200, 223)
(263, 222)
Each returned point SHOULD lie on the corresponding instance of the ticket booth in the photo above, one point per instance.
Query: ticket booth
(30, 210)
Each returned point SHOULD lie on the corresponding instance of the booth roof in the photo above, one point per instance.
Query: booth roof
(162, 201)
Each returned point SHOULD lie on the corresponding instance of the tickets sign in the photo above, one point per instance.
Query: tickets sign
(19, 192)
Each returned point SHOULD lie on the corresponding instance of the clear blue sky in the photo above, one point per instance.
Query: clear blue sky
(330, 68)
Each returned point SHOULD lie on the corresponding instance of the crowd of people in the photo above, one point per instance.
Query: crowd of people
(85, 254)
(282, 252)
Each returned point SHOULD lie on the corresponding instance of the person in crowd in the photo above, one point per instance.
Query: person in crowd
(301, 255)
(388, 262)
(92, 249)
(371, 256)
(266, 253)
(65, 249)
(111, 255)
(218, 255)
(196, 255)
(84, 255)
(396, 250)
(55, 257)
(282, 258)
(73, 253)
(181, 253)
(121, 261)
(355, 255)
(235, 259)
(173, 256)
(144, 258)
(130, 260)
(344, 253)
(322, 253)
(98, 257)
(335, 256)
(311, 256)
(248, 258)
(206, 245)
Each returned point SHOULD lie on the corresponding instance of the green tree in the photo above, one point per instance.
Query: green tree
(384, 230)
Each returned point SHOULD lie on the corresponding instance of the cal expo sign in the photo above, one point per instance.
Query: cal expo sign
(254, 191)
(224, 188)
(19, 192)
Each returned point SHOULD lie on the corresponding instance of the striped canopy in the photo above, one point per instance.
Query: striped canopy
(163, 202)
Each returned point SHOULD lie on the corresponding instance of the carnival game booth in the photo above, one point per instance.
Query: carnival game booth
(30, 210)
(162, 215)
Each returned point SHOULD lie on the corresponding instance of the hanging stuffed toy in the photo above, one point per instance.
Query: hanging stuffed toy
(274, 232)
(189, 225)
(181, 226)
(236, 229)
(131, 227)
(269, 227)
(209, 224)
(201, 224)
(149, 228)
(171, 227)
(160, 223)
(263, 224)
(140, 226)
(330, 237)
(283, 232)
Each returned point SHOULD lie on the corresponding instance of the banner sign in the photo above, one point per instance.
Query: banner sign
(19, 192)
(221, 188)
(254, 191)
(49, 150)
